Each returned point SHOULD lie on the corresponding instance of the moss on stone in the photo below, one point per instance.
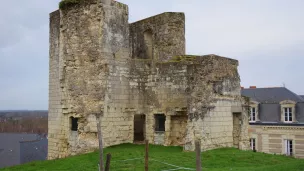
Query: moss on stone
(179, 59)
(182, 58)
(66, 3)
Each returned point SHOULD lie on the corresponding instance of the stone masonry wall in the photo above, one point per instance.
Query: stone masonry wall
(270, 139)
(166, 94)
(157, 90)
(209, 84)
(55, 118)
(92, 36)
(168, 36)
(178, 129)
(98, 65)
(214, 91)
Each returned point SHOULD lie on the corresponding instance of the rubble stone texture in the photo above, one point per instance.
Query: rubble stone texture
(102, 65)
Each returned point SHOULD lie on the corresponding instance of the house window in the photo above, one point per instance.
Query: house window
(160, 120)
(288, 147)
(288, 114)
(74, 124)
(252, 114)
(252, 144)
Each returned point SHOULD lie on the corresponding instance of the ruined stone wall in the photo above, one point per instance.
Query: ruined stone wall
(85, 69)
(167, 95)
(214, 96)
(55, 117)
(210, 85)
(92, 36)
(99, 66)
(178, 130)
(157, 90)
(270, 139)
(168, 36)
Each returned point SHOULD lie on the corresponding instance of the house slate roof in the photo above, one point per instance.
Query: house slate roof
(14, 152)
(270, 98)
(271, 95)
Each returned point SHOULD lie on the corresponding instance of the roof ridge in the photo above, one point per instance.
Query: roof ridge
(299, 97)
(272, 94)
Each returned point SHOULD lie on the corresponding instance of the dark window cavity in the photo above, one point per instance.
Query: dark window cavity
(74, 124)
(252, 114)
(160, 120)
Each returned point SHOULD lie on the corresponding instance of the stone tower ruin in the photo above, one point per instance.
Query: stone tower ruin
(139, 77)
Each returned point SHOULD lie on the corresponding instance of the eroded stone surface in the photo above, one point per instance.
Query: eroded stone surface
(101, 64)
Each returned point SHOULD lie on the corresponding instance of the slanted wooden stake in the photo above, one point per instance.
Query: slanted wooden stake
(108, 162)
(101, 168)
(147, 156)
(198, 156)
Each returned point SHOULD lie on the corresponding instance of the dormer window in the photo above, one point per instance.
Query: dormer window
(288, 111)
(288, 114)
(252, 114)
(253, 111)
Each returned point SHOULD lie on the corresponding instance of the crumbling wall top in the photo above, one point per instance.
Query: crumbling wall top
(195, 59)
(163, 17)
(64, 4)
(158, 37)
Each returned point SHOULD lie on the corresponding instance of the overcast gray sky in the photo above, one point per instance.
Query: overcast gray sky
(266, 36)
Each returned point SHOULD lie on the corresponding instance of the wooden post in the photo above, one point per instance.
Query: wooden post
(108, 162)
(147, 156)
(198, 156)
(101, 168)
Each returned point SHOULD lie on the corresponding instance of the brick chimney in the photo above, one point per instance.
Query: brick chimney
(252, 87)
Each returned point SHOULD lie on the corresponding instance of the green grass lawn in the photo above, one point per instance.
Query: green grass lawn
(129, 157)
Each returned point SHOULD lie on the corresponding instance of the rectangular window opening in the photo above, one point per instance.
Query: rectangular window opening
(252, 144)
(288, 147)
(252, 114)
(160, 120)
(74, 124)
(288, 114)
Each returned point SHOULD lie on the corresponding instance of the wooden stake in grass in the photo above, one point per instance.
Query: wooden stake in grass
(147, 156)
(100, 143)
(108, 162)
(198, 156)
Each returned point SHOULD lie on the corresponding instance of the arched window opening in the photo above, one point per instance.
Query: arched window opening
(148, 44)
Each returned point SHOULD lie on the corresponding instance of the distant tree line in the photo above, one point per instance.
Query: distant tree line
(24, 122)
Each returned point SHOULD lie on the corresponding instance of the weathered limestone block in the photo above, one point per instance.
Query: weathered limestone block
(159, 138)
(167, 33)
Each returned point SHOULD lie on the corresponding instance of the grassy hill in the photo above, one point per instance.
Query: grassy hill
(129, 157)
